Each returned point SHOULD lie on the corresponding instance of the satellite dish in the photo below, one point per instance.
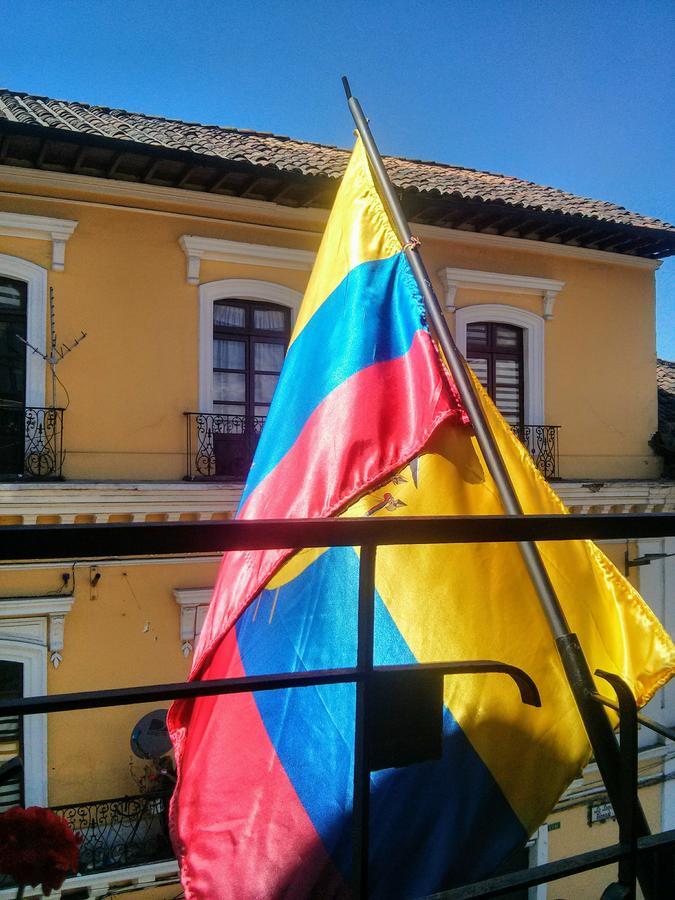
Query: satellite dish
(150, 738)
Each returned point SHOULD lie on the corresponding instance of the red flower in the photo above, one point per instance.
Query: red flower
(37, 847)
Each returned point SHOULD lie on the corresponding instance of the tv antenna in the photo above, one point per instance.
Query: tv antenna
(56, 352)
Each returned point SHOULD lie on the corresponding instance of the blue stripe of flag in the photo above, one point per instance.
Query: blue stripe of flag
(379, 310)
(435, 823)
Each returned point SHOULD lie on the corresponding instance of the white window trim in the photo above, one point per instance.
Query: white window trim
(35, 278)
(32, 654)
(533, 347)
(40, 228)
(232, 289)
(238, 252)
(31, 629)
(453, 278)
(46, 622)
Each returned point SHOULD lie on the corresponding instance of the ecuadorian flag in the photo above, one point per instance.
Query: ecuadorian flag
(366, 422)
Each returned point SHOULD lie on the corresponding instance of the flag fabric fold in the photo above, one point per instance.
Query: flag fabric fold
(366, 422)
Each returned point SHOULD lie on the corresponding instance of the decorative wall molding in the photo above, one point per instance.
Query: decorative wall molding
(40, 228)
(35, 278)
(454, 278)
(51, 609)
(236, 252)
(193, 603)
(239, 289)
(533, 347)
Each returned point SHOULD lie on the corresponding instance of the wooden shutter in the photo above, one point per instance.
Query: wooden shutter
(11, 734)
(495, 353)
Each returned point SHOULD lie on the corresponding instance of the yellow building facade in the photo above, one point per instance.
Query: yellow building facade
(146, 271)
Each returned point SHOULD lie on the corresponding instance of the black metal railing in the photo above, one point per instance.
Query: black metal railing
(220, 446)
(542, 442)
(31, 442)
(648, 857)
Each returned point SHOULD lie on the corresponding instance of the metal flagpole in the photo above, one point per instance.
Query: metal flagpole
(594, 717)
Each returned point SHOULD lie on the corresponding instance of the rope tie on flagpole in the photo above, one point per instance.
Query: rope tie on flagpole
(412, 242)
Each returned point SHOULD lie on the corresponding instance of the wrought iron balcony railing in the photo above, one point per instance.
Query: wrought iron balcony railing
(124, 831)
(220, 446)
(31, 442)
(542, 442)
(119, 832)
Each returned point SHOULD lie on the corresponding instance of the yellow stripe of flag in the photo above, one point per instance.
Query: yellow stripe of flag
(358, 231)
(468, 601)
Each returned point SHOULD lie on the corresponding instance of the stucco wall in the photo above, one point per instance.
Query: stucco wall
(137, 372)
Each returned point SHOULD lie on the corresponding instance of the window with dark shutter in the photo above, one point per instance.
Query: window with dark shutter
(249, 345)
(11, 733)
(13, 300)
(495, 353)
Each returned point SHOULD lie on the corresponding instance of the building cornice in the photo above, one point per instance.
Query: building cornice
(197, 248)
(179, 197)
(205, 500)
(263, 211)
(476, 238)
(40, 228)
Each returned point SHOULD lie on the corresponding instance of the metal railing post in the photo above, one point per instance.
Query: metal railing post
(364, 665)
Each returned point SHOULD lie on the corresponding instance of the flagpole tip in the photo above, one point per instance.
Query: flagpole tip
(345, 85)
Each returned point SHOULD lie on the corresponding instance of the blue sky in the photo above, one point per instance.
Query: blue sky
(578, 95)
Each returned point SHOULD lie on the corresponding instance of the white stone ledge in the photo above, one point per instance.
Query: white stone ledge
(100, 884)
(102, 500)
(595, 495)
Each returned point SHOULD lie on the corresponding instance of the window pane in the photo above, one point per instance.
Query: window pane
(269, 357)
(10, 344)
(229, 316)
(262, 411)
(229, 386)
(506, 337)
(12, 294)
(477, 335)
(229, 354)
(480, 368)
(227, 409)
(264, 387)
(269, 319)
(11, 382)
